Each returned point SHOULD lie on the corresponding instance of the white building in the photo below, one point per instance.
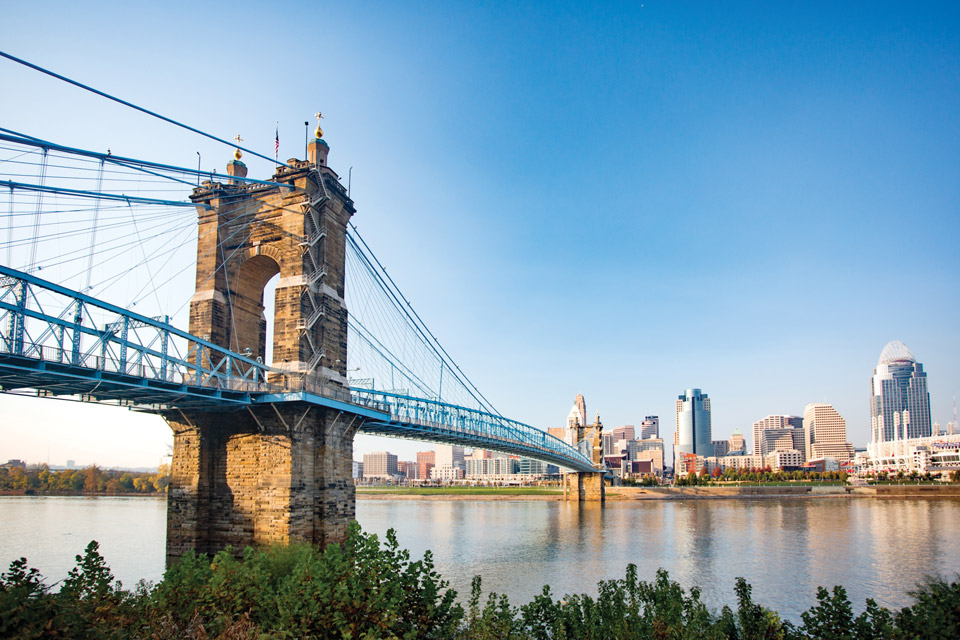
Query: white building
(899, 401)
(449, 455)
(772, 422)
(934, 454)
(446, 473)
(825, 432)
(380, 464)
(784, 459)
(484, 468)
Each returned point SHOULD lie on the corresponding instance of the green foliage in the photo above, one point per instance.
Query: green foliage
(364, 589)
(936, 613)
(23, 602)
(40, 479)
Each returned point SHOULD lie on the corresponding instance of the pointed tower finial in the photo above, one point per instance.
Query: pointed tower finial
(236, 152)
(319, 132)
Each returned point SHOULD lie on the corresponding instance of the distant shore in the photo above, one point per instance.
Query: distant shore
(620, 494)
(76, 494)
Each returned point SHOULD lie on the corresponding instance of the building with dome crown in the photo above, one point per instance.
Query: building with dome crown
(899, 401)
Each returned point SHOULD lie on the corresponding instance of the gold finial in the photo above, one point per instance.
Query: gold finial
(319, 131)
(236, 153)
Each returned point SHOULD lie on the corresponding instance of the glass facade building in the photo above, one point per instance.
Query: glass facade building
(693, 425)
(899, 401)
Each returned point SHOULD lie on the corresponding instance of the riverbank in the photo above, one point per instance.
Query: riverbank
(664, 493)
(80, 494)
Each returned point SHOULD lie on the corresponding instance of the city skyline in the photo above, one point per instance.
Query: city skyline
(657, 165)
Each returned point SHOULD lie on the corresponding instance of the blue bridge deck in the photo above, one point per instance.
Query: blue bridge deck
(59, 342)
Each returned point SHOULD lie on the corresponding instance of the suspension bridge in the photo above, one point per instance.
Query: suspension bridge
(95, 288)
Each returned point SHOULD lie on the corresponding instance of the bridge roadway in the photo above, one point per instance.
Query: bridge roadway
(64, 343)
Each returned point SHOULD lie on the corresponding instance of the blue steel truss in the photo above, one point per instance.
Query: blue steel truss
(420, 419)
(61, 342)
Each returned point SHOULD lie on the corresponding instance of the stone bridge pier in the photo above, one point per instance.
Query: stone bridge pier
(277, 472)
(587, 486)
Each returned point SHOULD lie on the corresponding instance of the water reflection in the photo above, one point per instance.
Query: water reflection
(784, 548)
(878, 548)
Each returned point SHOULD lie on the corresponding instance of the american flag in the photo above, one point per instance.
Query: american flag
(276, 141)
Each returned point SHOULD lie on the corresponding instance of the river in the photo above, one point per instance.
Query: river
(785, 548)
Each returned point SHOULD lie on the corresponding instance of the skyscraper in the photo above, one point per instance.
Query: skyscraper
(380, 464)
(826, 433)
(737, 443)
(578, 414)
(899, 401)
(627, 432)
(693, 425)
(772, 422)
(650, 427)
(448, 455)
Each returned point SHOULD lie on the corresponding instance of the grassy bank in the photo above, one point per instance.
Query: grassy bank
(364, 590)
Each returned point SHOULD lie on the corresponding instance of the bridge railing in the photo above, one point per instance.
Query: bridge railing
(46, 324)
(469, 423)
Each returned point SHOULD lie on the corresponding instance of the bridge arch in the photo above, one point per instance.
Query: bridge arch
(250, 280)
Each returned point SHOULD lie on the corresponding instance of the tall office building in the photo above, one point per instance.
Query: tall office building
(796, 435)
(899, 401)
(380, 464)
(721, 448)
(627, 432)
(737, 443)
(825, 431)
(426, 460)
(450, 456)
(557, 432)
(693, 425)
(608, 443)
(772, 422)
(650, 427)
(578, 413)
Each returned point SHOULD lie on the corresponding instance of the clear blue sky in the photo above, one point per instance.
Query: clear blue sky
(619, 200)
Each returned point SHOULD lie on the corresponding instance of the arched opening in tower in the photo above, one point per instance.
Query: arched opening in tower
(251, 320)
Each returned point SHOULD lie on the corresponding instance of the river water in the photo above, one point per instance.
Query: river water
(785, 548)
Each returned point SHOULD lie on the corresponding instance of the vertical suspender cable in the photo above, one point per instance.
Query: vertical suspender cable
(35, 238)
(146, 260)
(9, 262)
(93, 228)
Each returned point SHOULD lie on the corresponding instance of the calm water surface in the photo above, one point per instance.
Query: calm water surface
(785, 548)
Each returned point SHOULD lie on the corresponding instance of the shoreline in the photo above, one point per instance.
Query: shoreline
(77, 494)
(629, 494)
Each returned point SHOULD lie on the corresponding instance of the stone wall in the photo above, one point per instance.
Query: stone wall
(274, 473)
(584, 487)
(249, 233)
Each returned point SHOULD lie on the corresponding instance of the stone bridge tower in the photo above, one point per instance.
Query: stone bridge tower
(269, 472)
(587, 486)
(250, 232)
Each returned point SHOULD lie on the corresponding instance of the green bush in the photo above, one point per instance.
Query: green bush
(366, 590)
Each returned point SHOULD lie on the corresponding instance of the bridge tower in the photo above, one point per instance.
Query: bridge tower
(272, 472)
(587, 486)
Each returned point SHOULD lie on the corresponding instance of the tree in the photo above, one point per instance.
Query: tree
(91, 479)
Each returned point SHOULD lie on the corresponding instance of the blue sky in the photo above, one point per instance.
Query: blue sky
(619, 200)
